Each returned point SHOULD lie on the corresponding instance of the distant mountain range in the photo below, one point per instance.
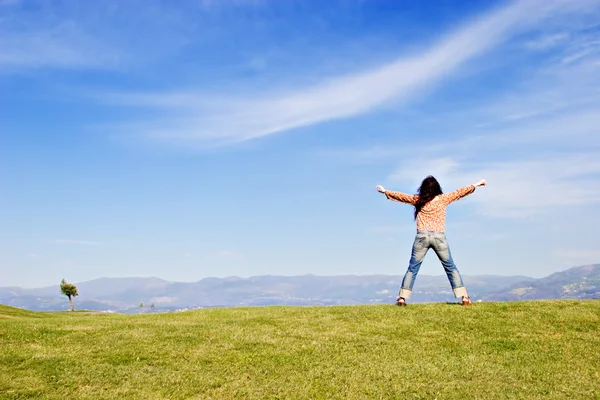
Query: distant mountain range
(126, 294)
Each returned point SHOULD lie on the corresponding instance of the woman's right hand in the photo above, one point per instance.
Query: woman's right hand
(380, 189)
(481, 183)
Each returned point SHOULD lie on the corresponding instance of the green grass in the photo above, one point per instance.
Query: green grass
(527, 350)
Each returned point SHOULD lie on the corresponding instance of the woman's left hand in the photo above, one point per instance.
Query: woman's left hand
(380, 189)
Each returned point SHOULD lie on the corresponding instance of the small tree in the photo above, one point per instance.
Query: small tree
(69, 290)
(152, 306)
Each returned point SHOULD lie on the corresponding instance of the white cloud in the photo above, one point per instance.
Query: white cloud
(242, 119)
(516, 188)
(64, 35)
(78, 242)
(547, 41)
(538, 143)
(62, 45)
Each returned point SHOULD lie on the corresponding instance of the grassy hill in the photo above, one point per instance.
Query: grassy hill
(528, 350)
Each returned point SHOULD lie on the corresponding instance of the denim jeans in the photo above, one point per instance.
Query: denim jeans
(438, 242)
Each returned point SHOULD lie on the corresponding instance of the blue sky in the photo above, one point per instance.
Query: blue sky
(214, 138)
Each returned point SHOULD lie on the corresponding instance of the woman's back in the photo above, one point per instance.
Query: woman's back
(432, 216)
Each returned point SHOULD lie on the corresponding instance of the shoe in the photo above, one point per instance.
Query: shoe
(466, 301)
(401, 302)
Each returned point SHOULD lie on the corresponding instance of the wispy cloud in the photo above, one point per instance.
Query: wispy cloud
(534, 164)
(539, 149)
(536, 141)
(78, 242)
(516, 187)
(544, 159)
(187, 118)
(34, 38)
(51, 49)
(65, 36)
(546, 41)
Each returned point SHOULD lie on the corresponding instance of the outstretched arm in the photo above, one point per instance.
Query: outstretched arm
(462, 192)
(397, 196)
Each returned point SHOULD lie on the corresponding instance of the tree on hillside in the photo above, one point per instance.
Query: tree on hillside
(69, 290)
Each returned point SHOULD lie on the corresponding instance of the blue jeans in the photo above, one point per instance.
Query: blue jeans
(438, 242)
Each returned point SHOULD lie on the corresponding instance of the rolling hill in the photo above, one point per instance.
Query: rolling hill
(126, 294)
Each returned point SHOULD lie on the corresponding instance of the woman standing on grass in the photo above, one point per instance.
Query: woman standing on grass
(430, 213)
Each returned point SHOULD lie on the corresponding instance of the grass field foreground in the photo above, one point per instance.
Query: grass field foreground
(527, 350)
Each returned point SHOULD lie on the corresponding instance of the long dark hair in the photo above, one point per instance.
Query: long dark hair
(429, 189)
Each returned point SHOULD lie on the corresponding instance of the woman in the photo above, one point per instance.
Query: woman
(430, 213)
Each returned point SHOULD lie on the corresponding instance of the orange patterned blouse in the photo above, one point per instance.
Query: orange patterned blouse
(432, 216)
